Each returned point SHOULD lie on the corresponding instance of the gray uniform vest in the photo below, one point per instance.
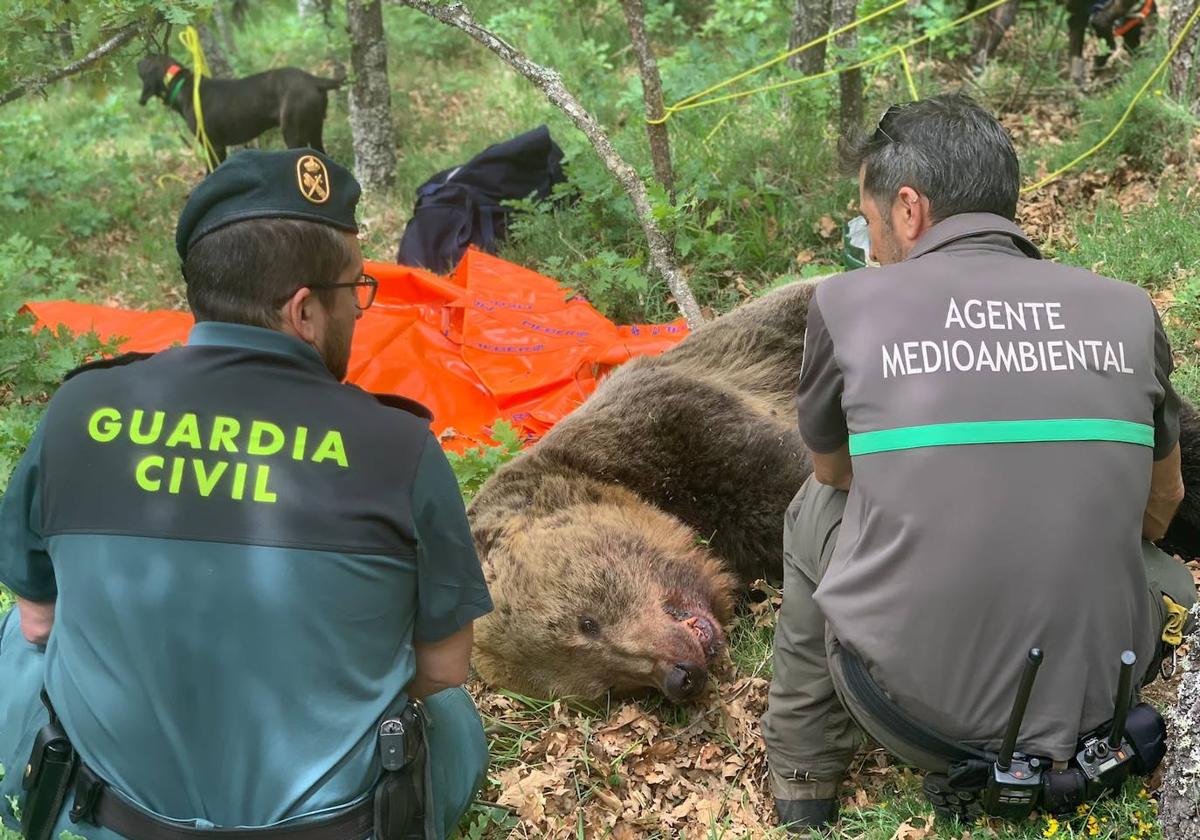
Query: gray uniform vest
(1002, 413)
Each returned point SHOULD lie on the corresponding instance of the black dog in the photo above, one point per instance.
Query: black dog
(238, 110)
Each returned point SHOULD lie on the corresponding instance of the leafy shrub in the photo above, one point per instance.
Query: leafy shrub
(476, 465)
(730, 18)
(32, 364)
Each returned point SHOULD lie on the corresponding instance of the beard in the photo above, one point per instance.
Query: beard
(889, 247)
(335, 350)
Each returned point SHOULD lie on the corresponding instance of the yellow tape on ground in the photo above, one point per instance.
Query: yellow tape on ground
(204, 148)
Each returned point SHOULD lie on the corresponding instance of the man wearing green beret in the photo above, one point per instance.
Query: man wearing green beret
(246, 588)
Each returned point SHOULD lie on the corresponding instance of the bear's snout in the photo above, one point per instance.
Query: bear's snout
(685, 681)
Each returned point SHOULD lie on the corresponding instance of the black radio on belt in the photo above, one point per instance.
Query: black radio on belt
(399, 738)
(1020, 783)
(1015, 786)
(1107, 758)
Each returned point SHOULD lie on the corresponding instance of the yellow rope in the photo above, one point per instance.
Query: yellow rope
(1128, 110)
(717, 127)
(167, 176)
(204, 148)
(691, 102)
(912, 86)
(854, 24)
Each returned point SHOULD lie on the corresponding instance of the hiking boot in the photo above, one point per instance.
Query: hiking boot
(799, 816)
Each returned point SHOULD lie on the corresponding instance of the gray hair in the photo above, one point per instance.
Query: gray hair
(947, 148)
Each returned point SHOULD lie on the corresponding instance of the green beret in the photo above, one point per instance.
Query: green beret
(294, 184)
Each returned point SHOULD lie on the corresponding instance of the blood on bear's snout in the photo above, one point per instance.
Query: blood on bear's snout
(601, 596)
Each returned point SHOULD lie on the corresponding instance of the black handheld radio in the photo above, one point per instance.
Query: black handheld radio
(1107, 759)
(1016, 782)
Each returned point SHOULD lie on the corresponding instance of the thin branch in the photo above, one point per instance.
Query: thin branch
(123, 36)
(550, 83)
(656, 131)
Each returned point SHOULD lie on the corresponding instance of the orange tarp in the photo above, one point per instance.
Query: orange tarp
(493, 340)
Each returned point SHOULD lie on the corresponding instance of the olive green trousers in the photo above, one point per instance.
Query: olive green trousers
(813, 726)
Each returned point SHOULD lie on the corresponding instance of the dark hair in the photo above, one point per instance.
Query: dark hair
(242, 272)
(947, 148)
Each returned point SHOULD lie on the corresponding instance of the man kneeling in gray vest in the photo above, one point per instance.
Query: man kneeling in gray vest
(995, 443)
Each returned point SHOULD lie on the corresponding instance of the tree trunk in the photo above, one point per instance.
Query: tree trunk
(214, 53)
(237, 10)
(66, 42)
(1185, 64)
(850, 82)
(1179, 798)
(370, 96)
(660, 143)
(810, 20)
(304, 8)
(221, 20)
(551, 85)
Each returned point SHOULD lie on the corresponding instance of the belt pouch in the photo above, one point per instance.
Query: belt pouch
(1147, 733)
(46, 782)
(396, 806)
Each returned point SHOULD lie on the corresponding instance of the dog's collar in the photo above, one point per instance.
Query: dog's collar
(173, 72)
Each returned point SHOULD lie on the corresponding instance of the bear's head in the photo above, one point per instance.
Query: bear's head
(601, 595)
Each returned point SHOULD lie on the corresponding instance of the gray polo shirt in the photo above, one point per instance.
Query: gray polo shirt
(1002, 414)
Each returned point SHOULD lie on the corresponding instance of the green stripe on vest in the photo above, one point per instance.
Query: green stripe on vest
(1001, 431)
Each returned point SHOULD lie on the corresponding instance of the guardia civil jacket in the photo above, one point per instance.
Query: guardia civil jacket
(242, 551)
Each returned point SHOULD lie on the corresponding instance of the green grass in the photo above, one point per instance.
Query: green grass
(1154, 245)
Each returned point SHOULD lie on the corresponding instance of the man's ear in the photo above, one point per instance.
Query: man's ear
(298, 316)
(911, 215)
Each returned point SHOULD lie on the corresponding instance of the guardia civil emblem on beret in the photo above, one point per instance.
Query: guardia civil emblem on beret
(313, 179)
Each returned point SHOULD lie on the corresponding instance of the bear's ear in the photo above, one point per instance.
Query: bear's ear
(489, 530)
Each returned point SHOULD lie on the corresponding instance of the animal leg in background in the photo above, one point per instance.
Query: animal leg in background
(991, 32)
(1078, 13)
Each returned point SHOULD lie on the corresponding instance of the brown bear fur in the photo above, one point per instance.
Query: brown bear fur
(604, 539)
(1183, 537)
(604, 544)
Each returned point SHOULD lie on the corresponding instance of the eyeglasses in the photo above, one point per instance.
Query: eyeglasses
(364, 290)
(881, 128)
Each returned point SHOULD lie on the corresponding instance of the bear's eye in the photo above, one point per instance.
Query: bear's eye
(589, 627)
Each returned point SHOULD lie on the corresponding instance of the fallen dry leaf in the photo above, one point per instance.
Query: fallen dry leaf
(827, 227)
(913, 828)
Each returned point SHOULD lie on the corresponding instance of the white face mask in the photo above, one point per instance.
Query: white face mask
(857, 244)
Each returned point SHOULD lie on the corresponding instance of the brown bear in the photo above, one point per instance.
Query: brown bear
(608, 546)
(613, 547)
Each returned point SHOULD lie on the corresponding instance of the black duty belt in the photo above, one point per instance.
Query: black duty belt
(391, 812)
(97, 803)
(897, 721)
(1011, 783)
